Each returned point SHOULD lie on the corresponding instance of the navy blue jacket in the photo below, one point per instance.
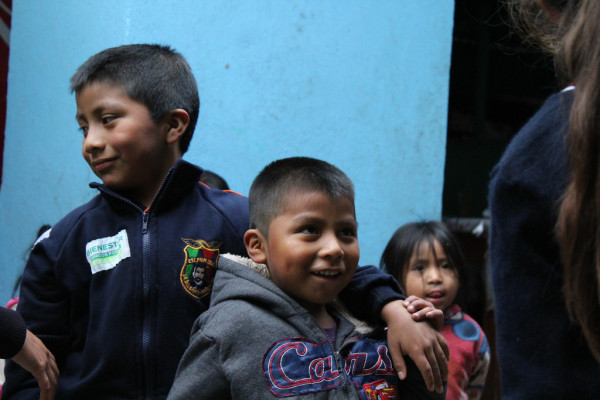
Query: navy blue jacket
(111, 290)
(542, 355)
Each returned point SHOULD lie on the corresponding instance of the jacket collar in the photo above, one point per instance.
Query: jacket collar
(177, 183)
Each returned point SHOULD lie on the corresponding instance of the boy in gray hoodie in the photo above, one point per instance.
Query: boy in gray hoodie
(274, 328)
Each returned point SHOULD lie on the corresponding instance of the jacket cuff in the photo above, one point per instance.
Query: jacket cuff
(12, 334)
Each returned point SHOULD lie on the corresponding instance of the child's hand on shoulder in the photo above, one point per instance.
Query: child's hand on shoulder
(423, 310)
(423, 344)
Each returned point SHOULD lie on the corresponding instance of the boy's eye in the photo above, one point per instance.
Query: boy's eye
(107, 118)
(311, 230)
(445, 266)
(83, 129)
(348, 232)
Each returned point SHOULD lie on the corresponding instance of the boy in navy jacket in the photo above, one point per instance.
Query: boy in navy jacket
(111, 288)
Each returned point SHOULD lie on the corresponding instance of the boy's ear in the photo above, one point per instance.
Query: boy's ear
(178, 121)
(255, 246)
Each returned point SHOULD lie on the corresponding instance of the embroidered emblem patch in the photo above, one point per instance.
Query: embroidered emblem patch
(199, 267)
(105, 253)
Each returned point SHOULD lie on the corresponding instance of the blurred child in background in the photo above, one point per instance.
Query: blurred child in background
(427, 261)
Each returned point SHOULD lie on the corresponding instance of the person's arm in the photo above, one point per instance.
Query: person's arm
(12, 333)
(37, 359)
(31, 354)
(199, 375)
(375, 296)
(420, 341)
(41, 296)
(367, 293)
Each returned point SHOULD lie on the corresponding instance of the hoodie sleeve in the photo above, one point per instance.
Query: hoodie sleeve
(368, 292)
(200, 374)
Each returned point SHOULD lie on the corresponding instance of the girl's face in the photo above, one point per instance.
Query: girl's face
(429, 275)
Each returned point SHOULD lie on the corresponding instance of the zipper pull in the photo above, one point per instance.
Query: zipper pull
(145, 223)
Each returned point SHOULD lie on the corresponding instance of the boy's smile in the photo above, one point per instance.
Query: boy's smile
(312, 250)
(121, 142)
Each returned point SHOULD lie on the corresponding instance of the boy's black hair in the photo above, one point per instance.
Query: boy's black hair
(213, 180)
(288, 176)
(404, 242)
(154, 75)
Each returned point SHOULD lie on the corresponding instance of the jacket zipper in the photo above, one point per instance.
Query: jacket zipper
(147, 292)
(336, 353)
(146, 272)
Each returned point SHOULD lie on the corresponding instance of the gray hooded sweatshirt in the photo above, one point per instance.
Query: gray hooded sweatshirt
(255, 342)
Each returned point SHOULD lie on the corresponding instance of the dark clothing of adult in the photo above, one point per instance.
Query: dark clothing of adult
(542, 354)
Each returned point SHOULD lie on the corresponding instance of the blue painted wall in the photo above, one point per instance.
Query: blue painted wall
(361, 84)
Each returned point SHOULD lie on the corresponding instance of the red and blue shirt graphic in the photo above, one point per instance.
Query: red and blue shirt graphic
(297, 366)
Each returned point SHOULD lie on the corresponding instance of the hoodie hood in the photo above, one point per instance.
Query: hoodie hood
(256, 287)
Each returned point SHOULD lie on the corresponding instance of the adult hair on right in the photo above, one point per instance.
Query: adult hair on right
(152, 74)
(579, 213)
(534, 26)
(290, 175)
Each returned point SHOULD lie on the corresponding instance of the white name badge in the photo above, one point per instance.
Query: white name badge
(105, 253)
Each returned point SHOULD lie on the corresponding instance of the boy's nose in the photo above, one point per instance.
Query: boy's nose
(331, 246)
(92, 140)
